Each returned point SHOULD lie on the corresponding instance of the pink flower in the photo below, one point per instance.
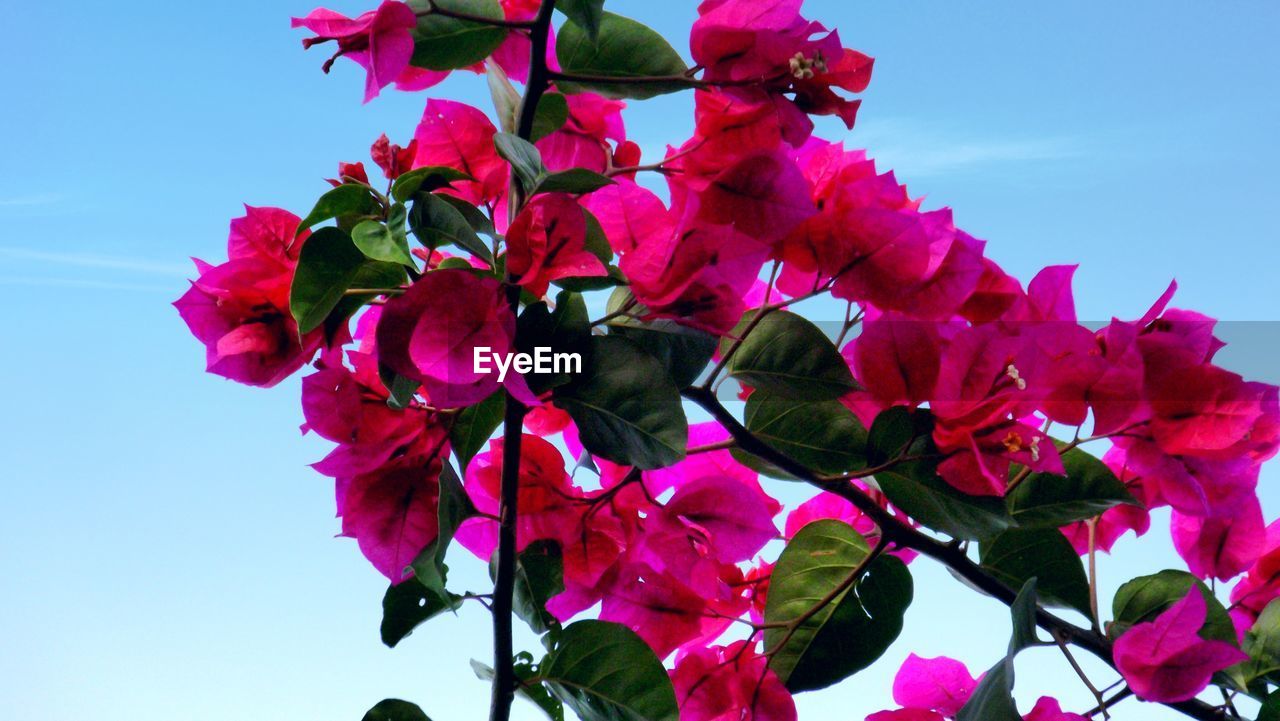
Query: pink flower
(380, 40)
(906, 714)
(550, 505)
(729, 683)
(240, 309)
(391, 512)
(1221, 546)
(630, 215)
(1166, 660)
(763, 196)
(349, 407)
(583, 141)
(547, 242)
(937, 684)
(699, 275)
(393, 159)
(1260, 584)
(432, 334)
(737, 40)
(1048, 709)
(459, 136)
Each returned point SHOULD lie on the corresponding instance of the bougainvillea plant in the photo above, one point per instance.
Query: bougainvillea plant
(504, 333)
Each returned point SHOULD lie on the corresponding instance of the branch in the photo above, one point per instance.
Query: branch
(504, 677)
(953, 557)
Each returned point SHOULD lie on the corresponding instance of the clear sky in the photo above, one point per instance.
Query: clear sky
(168, 554)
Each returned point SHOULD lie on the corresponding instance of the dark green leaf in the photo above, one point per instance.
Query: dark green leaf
(1145, 597)
(850, 631)
(552, 112)
(823, 435)
(393, 709)
(586, 14)
(475, 217)
(539, 576)
(566, 330)
(935, 504)
(329, 265)
(574, 180)
(446, 43)
(426, 179)
(435, 221)
(683, 350)
(454, 508)
(788, 355)
(408, 605)
(400, 389)
(345, 200)
(605, 672)
(532, 691)
(993, 699)
(1045, 500)
(1270, 710)
(524, 158)
(626, 407)
(1020, 554)
(474, 426)
(623, 49)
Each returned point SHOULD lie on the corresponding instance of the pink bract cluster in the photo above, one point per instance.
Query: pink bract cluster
(676, 554)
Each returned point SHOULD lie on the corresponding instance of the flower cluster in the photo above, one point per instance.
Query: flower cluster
(990, 386)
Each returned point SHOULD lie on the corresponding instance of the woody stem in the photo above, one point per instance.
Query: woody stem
(504, 677)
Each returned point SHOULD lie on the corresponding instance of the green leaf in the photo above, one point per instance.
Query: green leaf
(506, 99)
(823, 435)
(329, 265)
(622, 49)
(475, 217)
(993, 699)
(530, 687)
(393, 709)
(936, 505)
(566, 330)
(1020, 554)
(426, 179)
(435, 221)
(382, 242)
(474, 426)
(1262, 643)
(684, 351)
(788, 355)
(1270, 710)
(605, 672)
(539, 576)
(408, 605)
(1145, 597)
(552, 112)
(446, 43)
(573, 180)
(455, 507)
(400, 390)
(586, 14)
(524, 158)
(345, 200)
(849, 632)
(1045, 500)
(626, 407)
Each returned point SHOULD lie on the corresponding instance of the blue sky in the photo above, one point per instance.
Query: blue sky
(168, 554)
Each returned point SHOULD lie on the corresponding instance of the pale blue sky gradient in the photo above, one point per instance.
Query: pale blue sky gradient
(166, 552)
